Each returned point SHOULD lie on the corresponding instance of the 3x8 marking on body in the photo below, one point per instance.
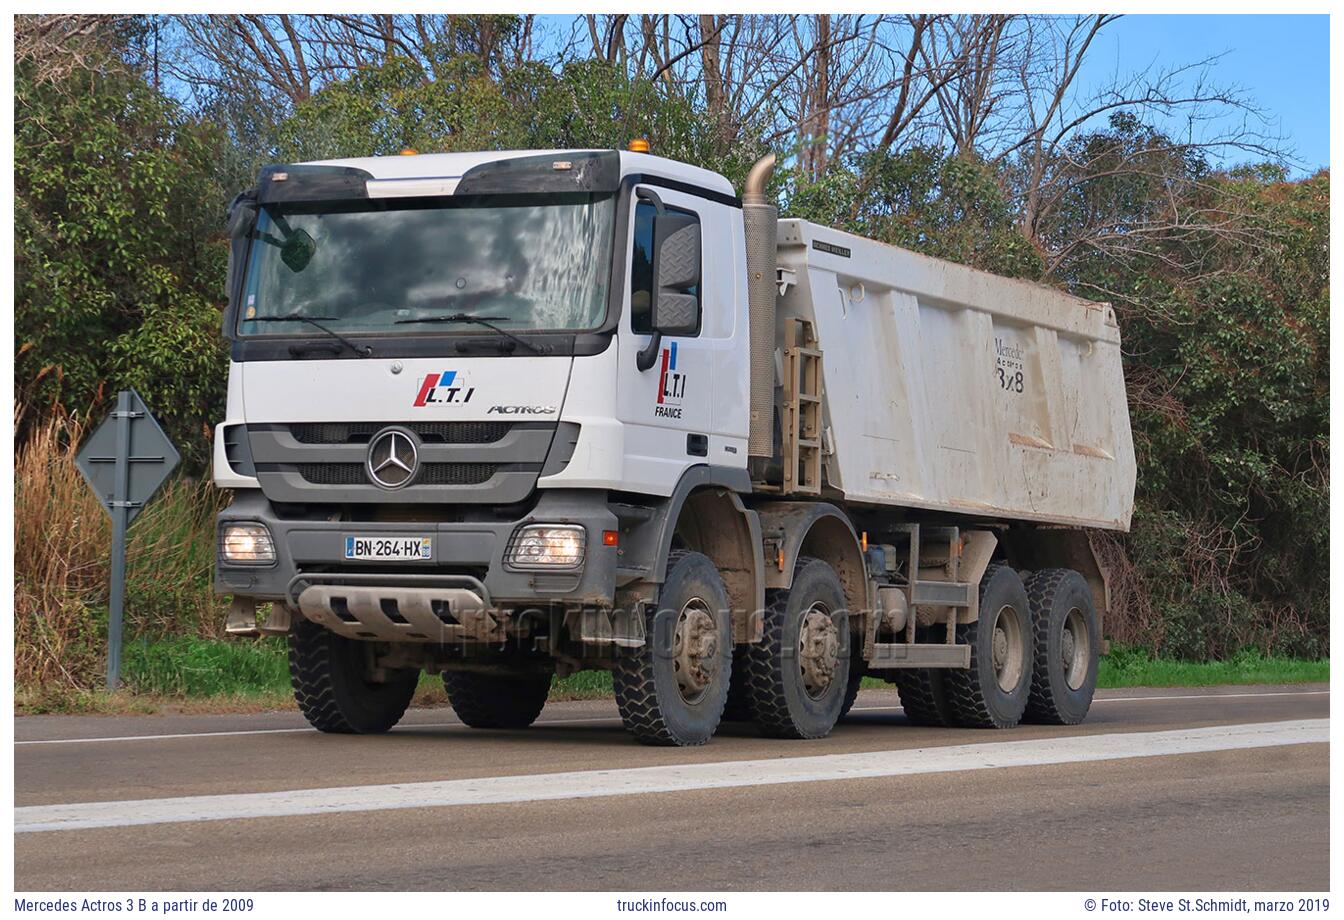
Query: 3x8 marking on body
(681, 777)
(602, 720)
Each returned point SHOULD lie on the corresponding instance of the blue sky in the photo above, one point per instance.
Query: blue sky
(1282, 62)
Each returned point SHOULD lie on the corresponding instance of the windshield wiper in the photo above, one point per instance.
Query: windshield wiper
(487, 321)
(363, 351)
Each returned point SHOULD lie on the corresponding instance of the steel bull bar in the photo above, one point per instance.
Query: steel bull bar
(397, 608)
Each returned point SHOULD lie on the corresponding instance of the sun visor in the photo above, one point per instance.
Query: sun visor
(593, 172)
(284, 184)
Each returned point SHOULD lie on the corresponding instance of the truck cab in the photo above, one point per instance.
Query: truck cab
(490, 318)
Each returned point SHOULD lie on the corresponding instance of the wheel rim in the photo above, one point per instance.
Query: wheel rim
(695, 650)
(818, 651)
(1007, 648)
(1075, 649)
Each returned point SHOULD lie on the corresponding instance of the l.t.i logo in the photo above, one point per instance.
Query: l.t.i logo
(671, 383)
(443, 387)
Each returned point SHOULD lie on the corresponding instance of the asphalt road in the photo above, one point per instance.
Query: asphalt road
(1211, 789)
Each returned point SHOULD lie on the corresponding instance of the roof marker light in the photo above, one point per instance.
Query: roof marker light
(639, 145)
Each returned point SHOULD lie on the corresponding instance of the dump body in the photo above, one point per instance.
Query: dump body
(955, 390)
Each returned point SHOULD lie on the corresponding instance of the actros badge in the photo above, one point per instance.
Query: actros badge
(520, 410)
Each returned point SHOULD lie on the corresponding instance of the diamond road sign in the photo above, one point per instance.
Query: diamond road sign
(150, 458)
(125, 461)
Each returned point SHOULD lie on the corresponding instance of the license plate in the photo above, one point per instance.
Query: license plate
(388, 547)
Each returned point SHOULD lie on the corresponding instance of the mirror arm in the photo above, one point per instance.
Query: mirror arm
(647, 355)
(647, 194)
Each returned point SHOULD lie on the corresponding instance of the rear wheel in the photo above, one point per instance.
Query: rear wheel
(672, 690)
(1067, 645)
(496, 701)
(799, 672)
(993, 691)
(923, 696)
(331, 679)
(738, 707)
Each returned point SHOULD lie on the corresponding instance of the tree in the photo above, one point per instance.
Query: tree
(118, 256)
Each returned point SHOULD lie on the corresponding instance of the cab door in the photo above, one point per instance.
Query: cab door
(667, 410)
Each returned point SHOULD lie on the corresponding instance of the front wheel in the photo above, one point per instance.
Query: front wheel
(672, 690)
(852, 688)
(333, 687)
(496, 701)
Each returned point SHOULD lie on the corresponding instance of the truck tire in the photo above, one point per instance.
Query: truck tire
(923, 696)
(672, 690)
(496, 701)
(852, 688)
(993, 691)
(329, 676)
(1067, 645)
(797, 675)
(738, 707)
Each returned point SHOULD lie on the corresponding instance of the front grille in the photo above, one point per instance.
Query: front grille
(428, 432)
(431, 474)
(334, 474)
(455, 474)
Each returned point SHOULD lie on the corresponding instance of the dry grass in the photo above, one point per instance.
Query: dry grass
(62, 543)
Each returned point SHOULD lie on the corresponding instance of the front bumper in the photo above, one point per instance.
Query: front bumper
(311, 553)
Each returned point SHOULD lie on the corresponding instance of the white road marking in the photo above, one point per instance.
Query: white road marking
(671, 778)
(598, 720)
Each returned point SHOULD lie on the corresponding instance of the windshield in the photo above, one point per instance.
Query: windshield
(539, 263)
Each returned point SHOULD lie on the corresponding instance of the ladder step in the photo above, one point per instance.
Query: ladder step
(891, 655)
(943, 593)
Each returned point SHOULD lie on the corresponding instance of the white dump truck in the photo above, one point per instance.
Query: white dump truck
(502, 416)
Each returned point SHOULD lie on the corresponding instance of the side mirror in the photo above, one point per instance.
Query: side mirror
(242, 218)
(676, 271)
(242, 221)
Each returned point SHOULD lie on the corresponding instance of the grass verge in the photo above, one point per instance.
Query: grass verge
(232, 675)
(1130, 667)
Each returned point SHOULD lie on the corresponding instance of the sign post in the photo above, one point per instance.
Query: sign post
(125, 461)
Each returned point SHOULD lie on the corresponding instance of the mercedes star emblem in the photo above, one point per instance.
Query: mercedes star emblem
(392, 458)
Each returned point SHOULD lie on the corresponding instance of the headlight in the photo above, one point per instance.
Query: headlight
(546, 546)
(246, 544)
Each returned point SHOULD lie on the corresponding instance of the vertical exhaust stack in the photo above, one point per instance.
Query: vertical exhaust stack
(760, 218)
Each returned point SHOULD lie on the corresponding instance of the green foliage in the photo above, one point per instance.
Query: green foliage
(924, 200)
(190, 667)
(117, 258)
(1134, 666)
(390, 107)
(1223, 307)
